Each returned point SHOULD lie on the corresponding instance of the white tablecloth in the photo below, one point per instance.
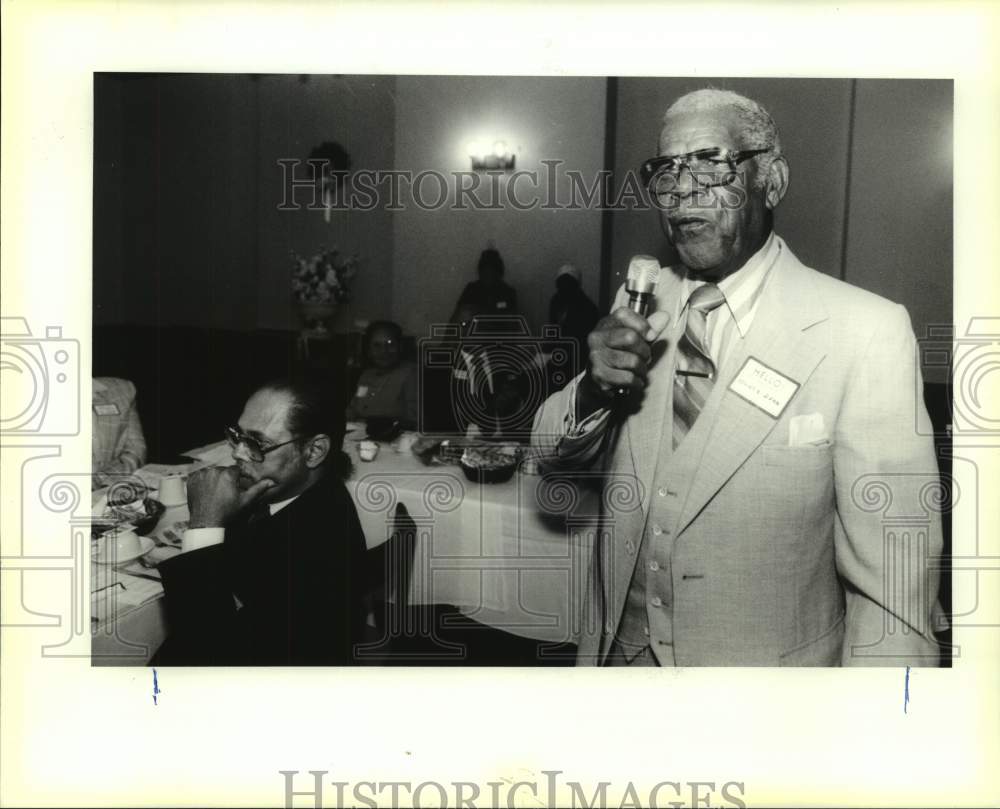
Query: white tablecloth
(504, 553)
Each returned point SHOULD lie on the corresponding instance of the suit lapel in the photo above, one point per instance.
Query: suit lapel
(729, 428)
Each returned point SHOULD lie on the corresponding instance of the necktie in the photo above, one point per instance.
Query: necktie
(693, 385)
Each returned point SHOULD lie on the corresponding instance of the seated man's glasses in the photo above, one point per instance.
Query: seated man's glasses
(255, 449)
(708, 168)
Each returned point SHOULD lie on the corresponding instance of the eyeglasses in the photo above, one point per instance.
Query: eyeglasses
(708, 167)
(235, 436)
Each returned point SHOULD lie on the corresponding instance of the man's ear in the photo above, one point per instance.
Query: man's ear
(777, 182)
(317, 450)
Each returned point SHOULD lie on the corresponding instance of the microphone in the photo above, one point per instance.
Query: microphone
(643, 275)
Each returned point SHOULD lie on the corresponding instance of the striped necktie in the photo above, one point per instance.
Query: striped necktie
(693, 385)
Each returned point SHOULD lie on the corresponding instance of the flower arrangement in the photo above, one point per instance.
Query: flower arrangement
(324, 278)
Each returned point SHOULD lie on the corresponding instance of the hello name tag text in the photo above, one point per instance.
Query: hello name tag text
(763, 387)
(107, 409)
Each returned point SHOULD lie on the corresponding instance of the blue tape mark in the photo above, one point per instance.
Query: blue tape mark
(156, 688)
(906, 690)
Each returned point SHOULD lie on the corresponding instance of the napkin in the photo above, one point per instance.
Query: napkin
(806, 430)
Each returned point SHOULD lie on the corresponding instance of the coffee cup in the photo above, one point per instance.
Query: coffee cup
(123, 542)
(367, 450)
(173, 490)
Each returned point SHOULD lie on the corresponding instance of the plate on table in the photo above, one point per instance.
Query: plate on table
(102, 557)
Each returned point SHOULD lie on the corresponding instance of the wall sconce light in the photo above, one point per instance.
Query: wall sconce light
(499, 159)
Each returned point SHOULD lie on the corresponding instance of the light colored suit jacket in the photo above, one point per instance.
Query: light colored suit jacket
(781, 555)
(118, 446)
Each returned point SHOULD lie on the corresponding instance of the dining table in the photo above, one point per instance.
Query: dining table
(512, 555)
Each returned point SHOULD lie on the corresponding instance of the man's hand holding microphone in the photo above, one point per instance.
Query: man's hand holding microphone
(620, 343)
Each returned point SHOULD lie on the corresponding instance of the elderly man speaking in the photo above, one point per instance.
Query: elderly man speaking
(762, 398)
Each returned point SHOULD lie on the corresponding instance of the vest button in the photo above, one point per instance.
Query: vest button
(654, 565)
(662, 492)
(657, 530)
(629, 547)
(657, 601)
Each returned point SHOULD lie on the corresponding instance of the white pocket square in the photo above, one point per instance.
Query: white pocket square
(807, 430)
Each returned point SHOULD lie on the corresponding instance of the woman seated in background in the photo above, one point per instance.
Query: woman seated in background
(387, 388)
(119, 447)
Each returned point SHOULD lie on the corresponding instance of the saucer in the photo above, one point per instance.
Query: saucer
(145, 546)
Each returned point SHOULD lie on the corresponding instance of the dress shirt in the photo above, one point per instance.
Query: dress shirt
(195, 538)
(742, 291)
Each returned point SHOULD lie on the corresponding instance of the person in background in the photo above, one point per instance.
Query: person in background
(271, 561)
(574, 313)
(118, 447)
(456, 385)
(489, 295)
(387, 388)
(468, 385)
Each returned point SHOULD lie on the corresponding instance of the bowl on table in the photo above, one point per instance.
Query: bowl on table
(489, 464)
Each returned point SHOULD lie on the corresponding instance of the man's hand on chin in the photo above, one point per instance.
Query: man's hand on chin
(215, 496)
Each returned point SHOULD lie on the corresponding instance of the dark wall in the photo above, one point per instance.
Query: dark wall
(191, 382)
(187, 188)
(899, 234)
(181, 183)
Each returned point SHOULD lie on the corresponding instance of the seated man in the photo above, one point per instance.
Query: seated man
(118, 446)
(271, 561)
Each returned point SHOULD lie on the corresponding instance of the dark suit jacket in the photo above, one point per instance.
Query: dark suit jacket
(298, 575)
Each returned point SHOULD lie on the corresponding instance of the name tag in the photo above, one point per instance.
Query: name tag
(361, 392)
(501, 304)
(764, 387)
(461, 373)
(107, 409)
